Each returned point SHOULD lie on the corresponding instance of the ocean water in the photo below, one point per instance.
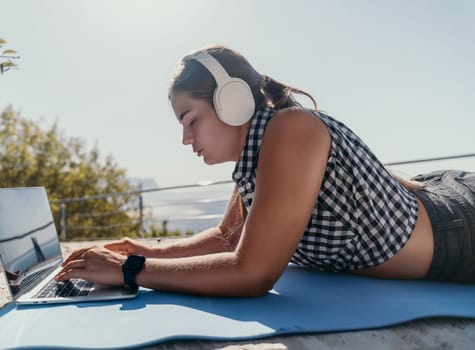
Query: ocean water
(187, 209)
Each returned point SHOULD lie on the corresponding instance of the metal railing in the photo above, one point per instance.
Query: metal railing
(140, 207)
(405, 162)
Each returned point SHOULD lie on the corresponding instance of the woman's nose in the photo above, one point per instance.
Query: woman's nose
(187, 137)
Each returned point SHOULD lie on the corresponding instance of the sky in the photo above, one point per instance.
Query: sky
(399, 73)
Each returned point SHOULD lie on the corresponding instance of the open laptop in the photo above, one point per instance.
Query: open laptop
(31, 255)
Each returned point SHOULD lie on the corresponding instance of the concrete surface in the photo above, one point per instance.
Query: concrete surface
(443, 333)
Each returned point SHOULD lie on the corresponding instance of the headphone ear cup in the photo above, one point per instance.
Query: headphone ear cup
(234, 102)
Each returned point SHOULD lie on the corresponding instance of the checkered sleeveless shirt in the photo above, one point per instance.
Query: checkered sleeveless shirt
(362, 216)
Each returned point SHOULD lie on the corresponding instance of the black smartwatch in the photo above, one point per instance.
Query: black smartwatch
(131, 268)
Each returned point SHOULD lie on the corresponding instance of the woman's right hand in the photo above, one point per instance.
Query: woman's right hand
(127, 246)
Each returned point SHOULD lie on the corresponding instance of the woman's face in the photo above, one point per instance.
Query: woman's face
(209, 137)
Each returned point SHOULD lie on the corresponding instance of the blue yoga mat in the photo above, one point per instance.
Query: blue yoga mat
(302, 301)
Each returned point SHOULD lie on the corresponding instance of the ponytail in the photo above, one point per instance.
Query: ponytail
(281, 96)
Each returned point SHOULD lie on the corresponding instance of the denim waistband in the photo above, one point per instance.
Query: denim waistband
(449, 205)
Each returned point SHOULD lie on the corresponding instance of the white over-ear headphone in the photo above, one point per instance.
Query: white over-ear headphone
(232, 99)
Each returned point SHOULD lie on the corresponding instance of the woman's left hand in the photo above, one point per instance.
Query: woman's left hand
(96, 264)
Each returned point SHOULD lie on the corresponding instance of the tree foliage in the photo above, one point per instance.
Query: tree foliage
(31, 156)
(7, 58)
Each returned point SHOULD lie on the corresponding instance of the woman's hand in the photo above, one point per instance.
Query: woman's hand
(96, 264)
(127, 246)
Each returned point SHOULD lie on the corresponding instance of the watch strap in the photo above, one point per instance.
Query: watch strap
(131, 268)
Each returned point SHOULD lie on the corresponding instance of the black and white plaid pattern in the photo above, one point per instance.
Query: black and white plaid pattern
(362, 217)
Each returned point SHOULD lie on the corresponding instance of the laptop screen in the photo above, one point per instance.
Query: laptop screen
(29, 245)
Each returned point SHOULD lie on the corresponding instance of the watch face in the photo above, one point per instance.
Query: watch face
(134, 262)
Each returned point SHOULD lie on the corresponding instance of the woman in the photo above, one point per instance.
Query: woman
(308, 191)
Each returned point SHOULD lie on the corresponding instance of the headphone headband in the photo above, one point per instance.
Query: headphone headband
(211, 64)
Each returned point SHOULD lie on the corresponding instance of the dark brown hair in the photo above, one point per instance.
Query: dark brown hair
(194, 79)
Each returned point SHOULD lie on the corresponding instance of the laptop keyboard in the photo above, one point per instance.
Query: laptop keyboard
(71, 288)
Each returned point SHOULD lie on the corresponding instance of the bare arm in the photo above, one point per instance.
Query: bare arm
(292, 162)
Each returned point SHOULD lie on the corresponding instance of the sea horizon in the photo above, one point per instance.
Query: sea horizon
(187, 209)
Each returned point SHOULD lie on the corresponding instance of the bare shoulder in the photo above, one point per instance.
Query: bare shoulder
(293, 154)
(297, 127)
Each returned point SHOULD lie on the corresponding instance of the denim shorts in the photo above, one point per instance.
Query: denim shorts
(449, 198)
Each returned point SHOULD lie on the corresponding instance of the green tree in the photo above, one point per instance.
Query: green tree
(31, 156)
(6, 58)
